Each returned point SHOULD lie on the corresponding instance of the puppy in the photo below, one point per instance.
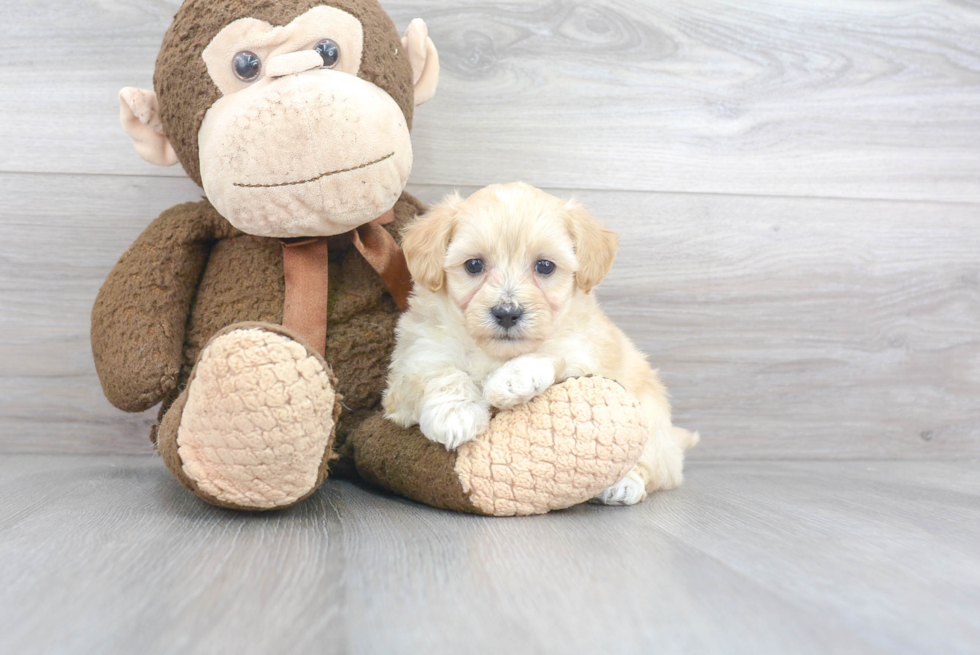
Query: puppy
(502, 309)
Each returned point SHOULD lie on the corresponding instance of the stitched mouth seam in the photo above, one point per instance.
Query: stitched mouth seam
(318, 177)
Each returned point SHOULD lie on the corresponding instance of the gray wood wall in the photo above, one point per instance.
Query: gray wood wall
(797, 183)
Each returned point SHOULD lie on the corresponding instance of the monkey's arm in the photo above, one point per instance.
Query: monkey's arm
(140, 314)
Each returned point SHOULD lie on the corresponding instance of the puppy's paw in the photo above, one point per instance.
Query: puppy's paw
(518, 381)
(628, 491)
(454, 422)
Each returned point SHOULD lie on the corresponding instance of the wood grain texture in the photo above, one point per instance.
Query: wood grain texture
(796, 185)
(784, 328)
(111, 555)
(816, 327)
(843, 98)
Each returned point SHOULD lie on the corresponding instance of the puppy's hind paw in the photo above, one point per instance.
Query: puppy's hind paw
(628, 491)
(518, 381)
(453, 423)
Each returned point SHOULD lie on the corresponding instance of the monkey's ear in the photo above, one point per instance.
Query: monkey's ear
(139, 113)
(424, 57)
(426, 240)
(595, 246)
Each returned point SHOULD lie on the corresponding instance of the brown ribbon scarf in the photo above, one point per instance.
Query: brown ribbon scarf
(305, 262)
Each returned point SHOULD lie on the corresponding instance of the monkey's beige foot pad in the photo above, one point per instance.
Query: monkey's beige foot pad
(560, 449)
(258, 423)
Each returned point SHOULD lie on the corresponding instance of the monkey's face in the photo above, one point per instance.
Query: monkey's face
(298, 144)
(293, 115)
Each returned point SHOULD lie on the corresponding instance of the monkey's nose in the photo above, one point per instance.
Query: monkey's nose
(507, 315)
(293, 63)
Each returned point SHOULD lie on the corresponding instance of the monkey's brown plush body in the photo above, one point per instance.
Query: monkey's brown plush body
(191, 275)
(207, 312)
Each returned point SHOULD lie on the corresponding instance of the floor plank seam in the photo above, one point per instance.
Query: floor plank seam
(582, 189)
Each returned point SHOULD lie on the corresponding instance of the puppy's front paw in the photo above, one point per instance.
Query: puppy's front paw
(518, 381)
(628, 491)
(453, 423)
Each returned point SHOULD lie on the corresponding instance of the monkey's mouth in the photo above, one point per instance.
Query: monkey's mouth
(318, 177)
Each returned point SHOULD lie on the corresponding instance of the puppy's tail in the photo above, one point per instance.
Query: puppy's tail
(685, 438)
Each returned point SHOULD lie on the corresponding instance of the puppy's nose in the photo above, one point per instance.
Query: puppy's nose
(507, 315)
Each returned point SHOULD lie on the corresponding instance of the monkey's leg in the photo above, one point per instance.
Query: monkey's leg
(254, 429)
(558, 450)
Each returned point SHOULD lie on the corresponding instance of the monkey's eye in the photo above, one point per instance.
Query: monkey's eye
(544, 267)
(329, 50)
(247, 66)
(474, 266)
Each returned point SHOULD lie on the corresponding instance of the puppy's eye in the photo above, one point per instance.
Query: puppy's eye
(544, 267)
(247, 66)
(329, 51)
(474, 266)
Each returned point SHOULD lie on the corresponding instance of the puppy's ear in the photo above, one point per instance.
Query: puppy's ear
(595, 246)
(425, 242)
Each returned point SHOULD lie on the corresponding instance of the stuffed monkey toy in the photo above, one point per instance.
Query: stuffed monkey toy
(262, 318)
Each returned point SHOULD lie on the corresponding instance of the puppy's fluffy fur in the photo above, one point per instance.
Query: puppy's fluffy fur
(455, 359)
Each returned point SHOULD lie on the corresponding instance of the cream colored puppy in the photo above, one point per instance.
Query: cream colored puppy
(502, 309)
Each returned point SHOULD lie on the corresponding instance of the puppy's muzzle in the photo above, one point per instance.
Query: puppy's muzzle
(507, 316)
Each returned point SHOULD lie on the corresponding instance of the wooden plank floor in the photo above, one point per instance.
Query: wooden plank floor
(783, 327)
(846, 98)
(110, 555)
(797, 183)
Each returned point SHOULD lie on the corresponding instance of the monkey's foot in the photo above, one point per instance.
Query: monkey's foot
(254, 428)
(559, 449)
